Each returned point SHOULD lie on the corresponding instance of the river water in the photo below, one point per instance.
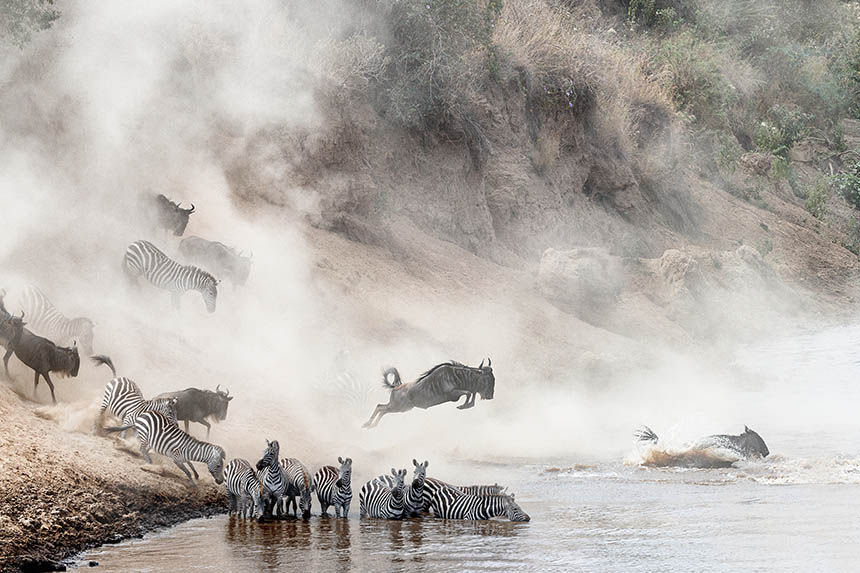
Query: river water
(798, 510)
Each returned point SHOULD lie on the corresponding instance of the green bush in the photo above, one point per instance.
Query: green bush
(847, 184)
(783, 127)
(816, 199)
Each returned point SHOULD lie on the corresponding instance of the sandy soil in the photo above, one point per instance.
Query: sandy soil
(61, 491)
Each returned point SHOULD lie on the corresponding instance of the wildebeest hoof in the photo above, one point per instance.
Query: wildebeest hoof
(465, 406)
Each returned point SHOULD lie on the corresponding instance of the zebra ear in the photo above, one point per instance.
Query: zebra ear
(349, 461)
(414, 462)
(394, 472)
(340, 460)
(426, 463)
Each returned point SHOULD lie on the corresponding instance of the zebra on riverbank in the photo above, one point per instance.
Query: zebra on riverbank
(44, 319)
(272, 478)
(299, 484)
(155, 431)
(377, 499)
(334, 487)
(451, 503)
(122, 396)
(142, 258)
(243, 489)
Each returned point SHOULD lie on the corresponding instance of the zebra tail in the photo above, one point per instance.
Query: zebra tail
(119, 428)
(100, 359)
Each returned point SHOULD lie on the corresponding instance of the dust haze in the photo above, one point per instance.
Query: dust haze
(118, 101)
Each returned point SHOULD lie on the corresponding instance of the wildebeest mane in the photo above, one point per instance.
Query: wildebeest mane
(452, 363)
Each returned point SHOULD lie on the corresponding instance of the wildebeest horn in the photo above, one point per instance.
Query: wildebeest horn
(482, 364)
(489, 361)
(217, 386)
(191, 210)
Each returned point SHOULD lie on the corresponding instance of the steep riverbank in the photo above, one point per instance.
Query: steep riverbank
(62, 491)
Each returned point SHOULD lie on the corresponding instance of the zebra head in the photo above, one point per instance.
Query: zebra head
(419, 474)
(486, 380)
(216, 464)
(399, 480)
(270, 456)
(344, 474)
(513, 510)
(209, 290)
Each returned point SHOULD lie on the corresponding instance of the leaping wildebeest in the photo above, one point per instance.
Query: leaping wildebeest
(446, 382)
(171, 216)
(195, 405)
(217, 258)
(44, 357)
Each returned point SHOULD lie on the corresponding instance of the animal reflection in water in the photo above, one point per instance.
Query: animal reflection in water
(446, 382)
(717, 451)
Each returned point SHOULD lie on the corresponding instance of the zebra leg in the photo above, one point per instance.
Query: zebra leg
(144, 450)
(232, 499)
(346, 510)
(181, 466)
(324, 509)
(190, 465)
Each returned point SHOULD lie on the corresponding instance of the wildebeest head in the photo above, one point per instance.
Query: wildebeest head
(270, 455)
(172, 216)
(11, 328)
(753, 443)
(513, 510)
(419, 474)
(66, 361)
(216, 464)
(219, 402)
(487, 380)
(344, 474)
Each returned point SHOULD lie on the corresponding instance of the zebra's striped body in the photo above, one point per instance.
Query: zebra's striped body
(451, 503)
(413, 494)
(298, 484)
(377, 499)
(122, 396)
(272, 478)
(334, 487)
(142, 258)
(44, 319)
(243, 488)
(155, 431)
(433, 485)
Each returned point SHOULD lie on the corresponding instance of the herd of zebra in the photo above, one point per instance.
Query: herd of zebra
(269, 489)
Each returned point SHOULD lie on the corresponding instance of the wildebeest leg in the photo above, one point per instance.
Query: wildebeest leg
(6, 361)
(381, 410)
(47, 376)
(205, 423)
(35, 384)
(470, 401)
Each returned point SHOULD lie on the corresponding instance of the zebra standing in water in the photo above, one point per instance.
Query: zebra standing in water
(243, 487)
(124, 399)
(377, 499)
(44, 319)
(272, 478)
(451, 503)
(142, 258)
(156, 431)
(413, 493)
(298, 484)
(334, 487)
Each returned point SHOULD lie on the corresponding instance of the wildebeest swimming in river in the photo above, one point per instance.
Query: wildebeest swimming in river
(446, 382)
(709, 452)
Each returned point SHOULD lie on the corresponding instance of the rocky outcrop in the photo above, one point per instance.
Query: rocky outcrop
(585, 281)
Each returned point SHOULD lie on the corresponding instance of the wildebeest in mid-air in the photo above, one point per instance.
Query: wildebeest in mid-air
(194, 405)
(446, 382)
(708, 452)
(170, 216)
(219, 259)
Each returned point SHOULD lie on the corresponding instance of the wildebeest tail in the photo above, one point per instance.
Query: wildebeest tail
(391, 385)
(100, 359)
(646, 434)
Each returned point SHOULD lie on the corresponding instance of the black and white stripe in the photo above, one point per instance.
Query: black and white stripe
(433, 485)
(155, 431)
(142, 258)
(482, 490)
(298, 484)
(451, 503)
(377, 499)
(44, 319)
(243, 488)
(272, 478)
(334, 487)
(413, 494)
(122, 396)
